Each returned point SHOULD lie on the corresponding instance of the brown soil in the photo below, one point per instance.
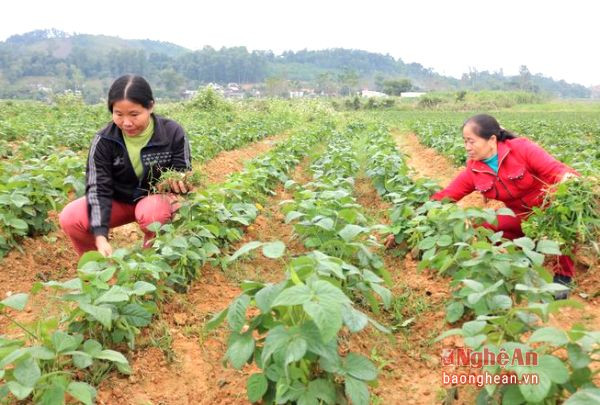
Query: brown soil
(197, 376)
(216, 170)
(408, 360)
(52, 257)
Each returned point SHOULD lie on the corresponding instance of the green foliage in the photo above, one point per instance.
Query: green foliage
(502, 286)
(571, 215)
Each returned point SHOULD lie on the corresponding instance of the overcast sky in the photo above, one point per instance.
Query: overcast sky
(555, 38)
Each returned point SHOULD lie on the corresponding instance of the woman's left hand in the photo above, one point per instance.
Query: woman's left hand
(178, 186)
(567, 176)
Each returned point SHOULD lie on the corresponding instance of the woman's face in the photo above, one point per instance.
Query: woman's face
(478, 148)
(132, 118)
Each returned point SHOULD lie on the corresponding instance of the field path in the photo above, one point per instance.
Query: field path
(428, 163)
(197, 375)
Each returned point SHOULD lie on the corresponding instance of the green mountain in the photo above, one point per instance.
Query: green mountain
(43, 61)
(61, 44)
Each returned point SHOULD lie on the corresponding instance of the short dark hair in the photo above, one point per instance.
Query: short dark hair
(133, 88)
(484, 126)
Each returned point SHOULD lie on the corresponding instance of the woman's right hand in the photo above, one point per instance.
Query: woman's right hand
(103, 246)
(390, 241)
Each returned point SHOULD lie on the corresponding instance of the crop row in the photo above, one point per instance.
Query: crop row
(111, 299)
(293, 336)
(42, 175)
(500, 287)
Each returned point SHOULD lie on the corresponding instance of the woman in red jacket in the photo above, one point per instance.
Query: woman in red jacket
(513, 170)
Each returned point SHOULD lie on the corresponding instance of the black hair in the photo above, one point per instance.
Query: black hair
(130, 87)
(484, 126)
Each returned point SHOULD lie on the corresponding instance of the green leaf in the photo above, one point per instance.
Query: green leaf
(554, 368)
(15, 355)
(245, 249)
(501, 302)
(73, 284)
(19, 200)
(81, 359)
(536, 392)
(265, 297)
(241, 348)
(111, 355)
(327, 316)
(15, 301)
(505, 211)
(236, 316)
(454, 311)
(357, 391)
(350, 231)
(473, 328)
(136, 315)
(475, 341)
(444, 240)
(276, 339)
(473, 285)
(256, 386)
(585, 396)
(18, 390)
(91, 256)
(551, 335)
(216, 320)
(577, 357)
(92, 347)
(325, 291)
(354, 319)
(54, 394)
(116, 293)
(326, 223)
(82, 392)
(524, 243)
(427, 243)
(384, 293)
(63, 342)
(548, 247)
(143, 287)
(293, 215)
(273, 250)
(124, 368)
(360, 367)
(42, 353)
(536, 258)
(322, 389)
(295, 350)
(296, 295)
(27, 372)
(17, 223)
(101, 314)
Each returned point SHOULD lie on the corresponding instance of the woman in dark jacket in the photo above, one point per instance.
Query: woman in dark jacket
(125, 160)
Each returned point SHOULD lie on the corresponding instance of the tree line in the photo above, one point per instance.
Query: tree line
(92, 62)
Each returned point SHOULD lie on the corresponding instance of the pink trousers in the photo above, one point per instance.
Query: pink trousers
(511, 228)
(74, 219)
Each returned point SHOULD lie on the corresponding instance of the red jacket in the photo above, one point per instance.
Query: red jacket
(524, 171)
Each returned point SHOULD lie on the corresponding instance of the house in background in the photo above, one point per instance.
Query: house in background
(411, 94)
(372, 94)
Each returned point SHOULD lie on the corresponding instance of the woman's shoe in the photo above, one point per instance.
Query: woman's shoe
(564, 280)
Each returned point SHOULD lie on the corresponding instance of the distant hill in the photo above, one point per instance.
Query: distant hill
(43, 61)
(60, 44)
